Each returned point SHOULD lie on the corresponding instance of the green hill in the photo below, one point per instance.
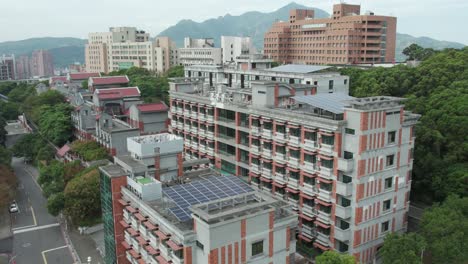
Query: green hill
(404, 40)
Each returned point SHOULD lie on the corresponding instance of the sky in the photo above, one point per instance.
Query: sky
(21, 19)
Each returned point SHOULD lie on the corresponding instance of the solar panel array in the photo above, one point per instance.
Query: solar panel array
(202, 191)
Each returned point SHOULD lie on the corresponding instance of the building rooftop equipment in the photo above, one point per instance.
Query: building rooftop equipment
(332, 102)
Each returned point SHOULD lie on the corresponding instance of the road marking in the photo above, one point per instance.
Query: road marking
(49, 250)
(24, 230)
(22, 227)
(32, 177)
(34, 216)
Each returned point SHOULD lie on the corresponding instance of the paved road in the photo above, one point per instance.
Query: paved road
(37, 237)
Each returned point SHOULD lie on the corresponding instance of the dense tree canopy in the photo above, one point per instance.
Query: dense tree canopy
(333, 257)
(7, 185)
(55, 123)
(89, 150)
(403, 249)
(438, 90)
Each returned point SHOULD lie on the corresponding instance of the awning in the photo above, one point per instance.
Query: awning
(309, 175)
(279, 185)
(141, 240)
(292, 147)
(322, 224)
(124, 224)
(151, 250)
(322, 202)
(140, 217)
(308, 197)
(150, 226)
(126, 245)
(130, 209)
(132, 231)
(325, 133)
(305, 217)
(324, 180)
(161, 235)
(174, 245)
(134, 253)
(325, 157)
(141, 261)
(292, 169)
(291, 190)
(322, 247)
(161, 260)
(123, 202)
(305, 238)
(264, 179)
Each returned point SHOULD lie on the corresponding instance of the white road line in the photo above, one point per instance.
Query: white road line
(32, 177)
(22, 227)
(52, 249)
(33, 215)
(24, 230)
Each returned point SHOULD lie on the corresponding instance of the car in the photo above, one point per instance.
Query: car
(13, 207)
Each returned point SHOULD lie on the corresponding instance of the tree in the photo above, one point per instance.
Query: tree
(28, 146)
(51, 178)
(56, 203)
(3, 132)
(445, 228)
(7, 185)
(55, 123)
(45, 153)
(403, 249)
(89, 150)
(84, 84)
(5, 156)
(176, 71)
(333, 257)
(82, 198)
(71, 170)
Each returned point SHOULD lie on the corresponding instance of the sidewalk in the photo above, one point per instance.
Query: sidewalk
(85, 247)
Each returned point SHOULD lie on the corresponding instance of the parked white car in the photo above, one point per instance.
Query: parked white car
(13, 207)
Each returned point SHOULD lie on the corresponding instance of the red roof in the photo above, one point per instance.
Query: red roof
(153, 107)
(62, 151)
(58, 78)
(117, 93)
(84, 75)
(109, 80)
(174, 245)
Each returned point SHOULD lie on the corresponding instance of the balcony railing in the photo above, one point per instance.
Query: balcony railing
(281, 137)
(266, 133)
(309, 167)
(310, 189)
(309, 210)
(343, 212)
(280, 178)
(255, 130)
(266, 173)
(345, 189)
(293, 183)
(255, 149)
(342, 235)
(254, 168)
(326, 149)
(345, 165)
(293, 140)
(266, 153)
(280, 157)
(326, 173)
(310, 144)
(293, 162)
(324, 195)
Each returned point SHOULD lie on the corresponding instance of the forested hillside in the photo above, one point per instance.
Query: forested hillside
(438, 90)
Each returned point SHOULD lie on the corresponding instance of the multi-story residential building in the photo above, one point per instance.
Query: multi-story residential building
(199, 52)
(234, 47)
(41, 63)
(344, 164)
(149, 118)
(125, 47)
(251, 68)
(194, 217)
(112, 133)
(346, 37)
(7, 67)
(116, 101)
(23, 67)
(75, 80)
(95, 83)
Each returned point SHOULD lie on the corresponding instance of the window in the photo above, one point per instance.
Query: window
(348, 155)
(257, 248)
(388, 183)
(346, 81)
(390, 160)
(387, 204)
(391, 137)
(261, 92)
(385, 226)
(349, 131)
(200, 245)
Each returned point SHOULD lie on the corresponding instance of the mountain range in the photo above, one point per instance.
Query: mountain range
(254, 24)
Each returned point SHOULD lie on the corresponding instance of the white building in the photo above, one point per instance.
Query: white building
(199, 52)
(234, 47)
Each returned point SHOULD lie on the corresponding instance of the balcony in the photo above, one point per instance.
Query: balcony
(324, 195)
(194, 144)
(180, 125)
(280, 157)
(309, 167)
(194, 130)
(309, 231)
(179, 110)
(343, 212)
(266, 133)
(293, 162)
(280, 178)
(175, 259)
(255, 130)
(345, 165)
(187, 143)
(202, 148)
(293, 203)
(266, 173)
(266, 153)
(202, 117)
(187, 128)
(293, 183)
(342, 235)
(280, 137)
(210, 151)
(210, 134)
(326, 173)
(210, 118)
(345, 189)
(186, 113)
(326, 149)
(310, 190)
(310, 144)
(309, 210)
(255, 149)
(293, 140)
(254, 168)
(194, 114)
(323, 217)
(279, 195)
(173, 109)
(323, 239)
(173, 123)
(202, 132)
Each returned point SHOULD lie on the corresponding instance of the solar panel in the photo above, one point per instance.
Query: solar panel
(212, 188)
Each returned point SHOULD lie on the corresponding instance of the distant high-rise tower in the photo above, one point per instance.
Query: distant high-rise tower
(23, 68)
(41, 63)
(7, 67)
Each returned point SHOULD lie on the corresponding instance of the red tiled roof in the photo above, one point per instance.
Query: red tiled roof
(153, 107)
(140, 217)
(151, 250)
(161, 235)
(141, 240)
(83, 75)
(117, 93)
(132, 231)
(134, 253)
(161, 260)
(126, 245)
(109, 80)
(62, 151)
(149, 225)
(173, 245)
(58, 78)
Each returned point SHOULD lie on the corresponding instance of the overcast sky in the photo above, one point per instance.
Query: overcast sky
(21, 19)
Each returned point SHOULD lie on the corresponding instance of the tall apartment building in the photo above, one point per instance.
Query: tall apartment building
(7, 67)
(346, 37)
(41, 63)
(125, 47)
(344, 164)
(153, 212)
(234, 47)
(199, 52)
(23, 67)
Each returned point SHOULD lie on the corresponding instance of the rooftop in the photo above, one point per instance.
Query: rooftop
(153, 107)
(332, 102)
(15, 127)
(151, 139)
(83, 75)
(117, 93)
(299, 68)
(109, 80)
